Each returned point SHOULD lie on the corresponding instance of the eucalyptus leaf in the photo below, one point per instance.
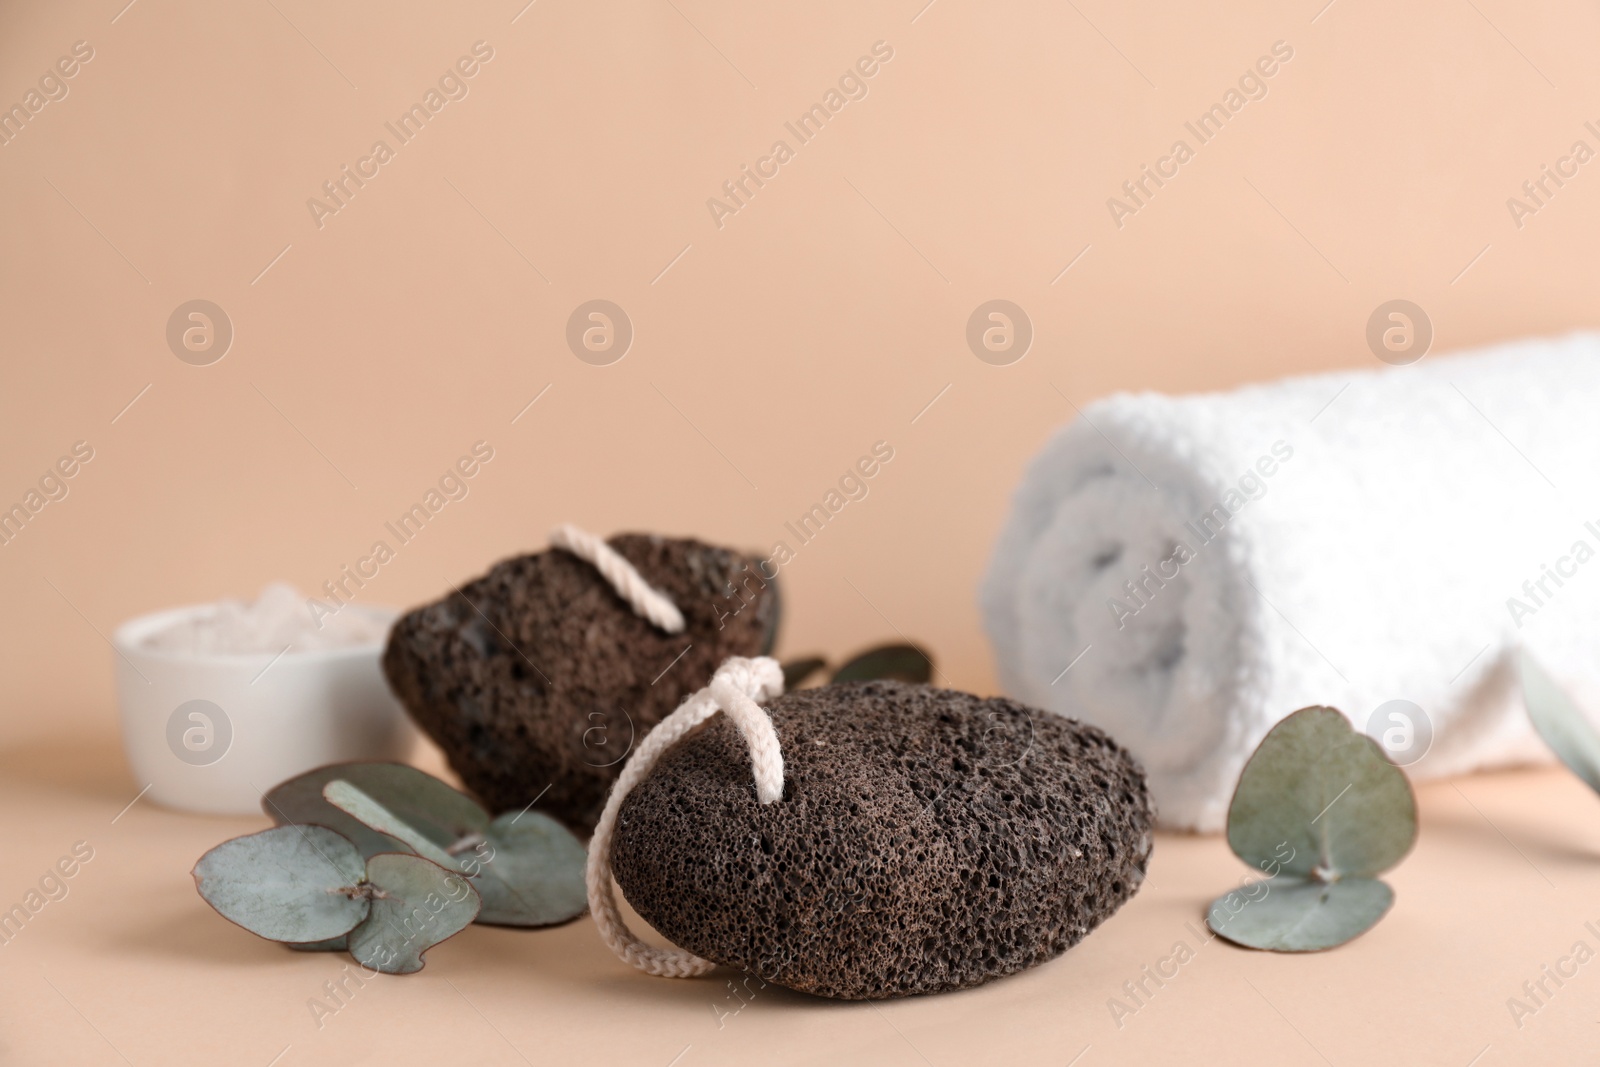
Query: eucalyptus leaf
(905, 663)
(795, 672)
(353, 801)
(1300, 915)
(1329, 794)
(290, 883)
(442, 814)
(1562, 724)
(416, 904)
(529, 869)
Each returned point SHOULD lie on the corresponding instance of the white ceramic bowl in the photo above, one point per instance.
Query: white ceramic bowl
(210, 733)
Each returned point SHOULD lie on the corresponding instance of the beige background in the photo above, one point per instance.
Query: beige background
(770, 353)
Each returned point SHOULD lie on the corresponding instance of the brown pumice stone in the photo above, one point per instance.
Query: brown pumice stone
(927, 840)
(538, 675)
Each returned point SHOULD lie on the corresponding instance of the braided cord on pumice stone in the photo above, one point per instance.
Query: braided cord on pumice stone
(736, 690)
(647, 601)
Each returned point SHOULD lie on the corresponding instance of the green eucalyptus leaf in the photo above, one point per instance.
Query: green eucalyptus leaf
(904, 663)
(1318, 799)
(795, 672)
(415, 905)
(529, 869)
(1300, 915)
(1562, 724)
(354, 802)
(441, 814)
(290, 883)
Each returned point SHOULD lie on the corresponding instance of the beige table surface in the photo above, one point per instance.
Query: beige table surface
(132, 967)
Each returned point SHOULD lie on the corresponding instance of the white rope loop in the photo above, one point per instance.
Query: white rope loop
(737, 689)
(647, 601)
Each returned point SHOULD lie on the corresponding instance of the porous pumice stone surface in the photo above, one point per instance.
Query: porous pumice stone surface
(927, 840)
(537, 679)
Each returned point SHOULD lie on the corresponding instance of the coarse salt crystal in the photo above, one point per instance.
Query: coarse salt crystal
(280, 618)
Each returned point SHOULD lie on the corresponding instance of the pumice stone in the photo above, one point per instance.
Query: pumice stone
(924, 840)
(538, 678)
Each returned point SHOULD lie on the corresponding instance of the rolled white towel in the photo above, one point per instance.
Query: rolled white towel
(1185, 571)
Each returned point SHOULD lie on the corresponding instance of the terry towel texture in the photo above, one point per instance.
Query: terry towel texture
(1183, 572)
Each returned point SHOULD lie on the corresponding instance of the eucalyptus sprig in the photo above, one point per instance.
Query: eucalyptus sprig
(1345, 813)
(309, 887)
(526, 865)
(386, 861)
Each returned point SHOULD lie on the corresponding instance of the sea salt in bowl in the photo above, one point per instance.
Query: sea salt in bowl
(221, 702)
